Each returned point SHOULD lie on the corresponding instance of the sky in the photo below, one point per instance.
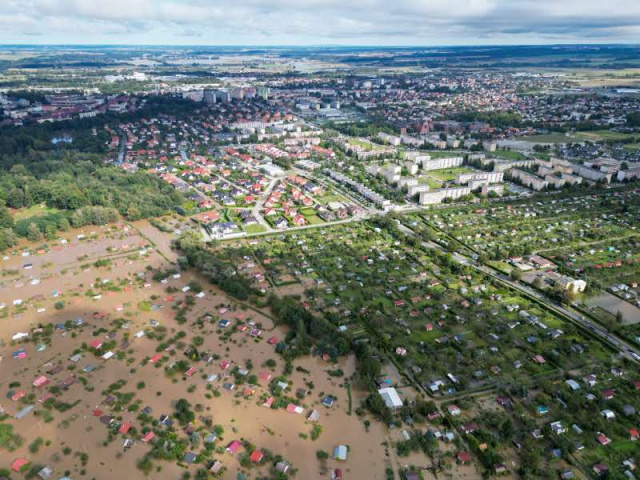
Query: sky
(318, 22)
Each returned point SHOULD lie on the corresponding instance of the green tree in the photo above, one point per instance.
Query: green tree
(33, 233)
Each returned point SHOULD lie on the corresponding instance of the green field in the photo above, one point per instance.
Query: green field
(256, 228)
(433, 183)
(597, 135)
(34, 211)
(448, 173)
(357, 142)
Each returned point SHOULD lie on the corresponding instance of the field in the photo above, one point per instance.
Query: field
(447, 174)
(598, 135)
(358, 142)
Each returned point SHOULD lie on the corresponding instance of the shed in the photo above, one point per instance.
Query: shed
(340, 452)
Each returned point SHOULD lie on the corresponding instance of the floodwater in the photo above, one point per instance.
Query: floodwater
(67, 272)
(613, 304)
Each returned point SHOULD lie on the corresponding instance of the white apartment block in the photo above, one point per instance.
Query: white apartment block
(442, 163)
(366, 192)
(390, 139)
(487, 177)
(591, 174)
(417, 157)
(420, 188)
(438, 196)
(529, 180)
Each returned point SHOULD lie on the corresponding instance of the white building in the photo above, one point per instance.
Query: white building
(442, 163)
(438, 196)
(391, 397)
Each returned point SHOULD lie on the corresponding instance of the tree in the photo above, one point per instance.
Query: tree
(15, 198)
(133, 213)
(538, 283)
(6, 220)
(33, 233)
(516, 274)
(63, 225)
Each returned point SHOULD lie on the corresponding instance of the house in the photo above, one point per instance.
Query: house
(124, 428)
(189, 457)
(340, 452)
(391, 397)
(281, 223)
(608, 414)
(148, 437)
(18, 463)
(463, 457)
(328, 401)
(469, 427)
(314, 416)
(299, 220)
(268, 402)
(557, 428)
(256, 456)
(45, 473)
(234, 446)
(454, 410)
(41, 381)
(633, 434)
(282, 466)
(216, 467)
(608, 394)
(600, 469)
(602, 439)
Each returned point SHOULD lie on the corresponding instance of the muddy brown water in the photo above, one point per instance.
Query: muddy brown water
(68, 269)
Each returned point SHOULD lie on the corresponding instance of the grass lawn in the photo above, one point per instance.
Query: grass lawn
(433, 183)
(507, 155)
(596, 135)
(548, 138)
(331, 198)
(448, 173)
(257, 228)
(34, 211)
(364, 144)
(310, 215)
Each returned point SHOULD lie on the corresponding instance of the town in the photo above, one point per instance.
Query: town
(320, 269)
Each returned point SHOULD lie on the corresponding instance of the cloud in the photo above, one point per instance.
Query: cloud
(410, 22)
